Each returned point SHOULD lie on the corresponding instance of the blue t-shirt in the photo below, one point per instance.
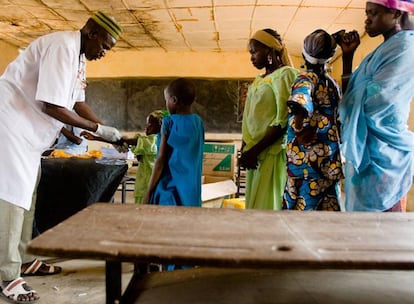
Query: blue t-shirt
(180, 183)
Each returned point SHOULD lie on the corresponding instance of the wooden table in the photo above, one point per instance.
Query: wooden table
(230, 238)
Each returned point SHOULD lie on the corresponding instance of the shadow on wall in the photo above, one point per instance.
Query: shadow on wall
(125, 103)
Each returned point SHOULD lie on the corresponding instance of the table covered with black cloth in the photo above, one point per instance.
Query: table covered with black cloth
(67, 185)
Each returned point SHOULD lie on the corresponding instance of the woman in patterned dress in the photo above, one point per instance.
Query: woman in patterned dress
(313, 160)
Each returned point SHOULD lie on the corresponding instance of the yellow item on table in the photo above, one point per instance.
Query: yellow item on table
(95, 153)
(237, 203)
(58, 153)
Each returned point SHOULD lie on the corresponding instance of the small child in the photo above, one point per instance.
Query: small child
(71, 141)
(144, 147)
(176, 177)
(146, 153)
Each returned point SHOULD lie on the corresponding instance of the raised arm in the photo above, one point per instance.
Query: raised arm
(348, 42)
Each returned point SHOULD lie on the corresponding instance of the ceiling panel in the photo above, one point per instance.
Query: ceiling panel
(325, 3)
(183, 25)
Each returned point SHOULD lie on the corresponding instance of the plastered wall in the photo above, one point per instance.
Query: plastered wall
(175, 64)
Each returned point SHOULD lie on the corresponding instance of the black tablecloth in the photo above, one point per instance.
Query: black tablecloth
(69, 185)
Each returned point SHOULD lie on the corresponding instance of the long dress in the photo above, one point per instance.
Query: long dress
(180, 182)
(266, 107)
(376, 143)
(314, 171)
(146, 148)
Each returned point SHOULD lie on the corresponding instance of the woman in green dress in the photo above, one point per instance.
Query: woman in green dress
(265, 120)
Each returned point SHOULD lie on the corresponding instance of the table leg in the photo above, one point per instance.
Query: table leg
(131, 292)
(123, 191)
(113, 277)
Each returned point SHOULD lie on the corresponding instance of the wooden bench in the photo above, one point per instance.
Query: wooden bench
(229, 238)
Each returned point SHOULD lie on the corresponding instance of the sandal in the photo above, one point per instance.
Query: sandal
(39, 268)
(17, 291)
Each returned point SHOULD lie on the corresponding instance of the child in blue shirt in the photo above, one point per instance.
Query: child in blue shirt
(176, 176)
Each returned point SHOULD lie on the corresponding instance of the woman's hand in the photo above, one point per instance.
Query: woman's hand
(348, 41)
(306, 137)
(248, 159)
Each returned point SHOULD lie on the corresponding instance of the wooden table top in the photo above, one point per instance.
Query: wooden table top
(233, 237)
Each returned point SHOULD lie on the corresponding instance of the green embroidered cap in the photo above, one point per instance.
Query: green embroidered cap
(108, 23)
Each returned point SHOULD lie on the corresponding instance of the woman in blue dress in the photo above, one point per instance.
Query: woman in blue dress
(377, 145)
(177, 172)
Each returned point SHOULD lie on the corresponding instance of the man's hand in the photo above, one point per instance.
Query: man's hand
(110, 134)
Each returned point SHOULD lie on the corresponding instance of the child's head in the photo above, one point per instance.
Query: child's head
(154, 120)
(179, 95)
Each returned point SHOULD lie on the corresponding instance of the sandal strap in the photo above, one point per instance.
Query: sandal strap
(33, 267)
(15, 288)
(13, 284)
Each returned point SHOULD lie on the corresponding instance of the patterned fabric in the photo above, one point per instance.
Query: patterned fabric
(313, 170)
(312, 194)
(377, 145)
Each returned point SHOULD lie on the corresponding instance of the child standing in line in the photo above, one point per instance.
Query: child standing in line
(71, 141)
(176, 176)
(146, 153)
(144, 147)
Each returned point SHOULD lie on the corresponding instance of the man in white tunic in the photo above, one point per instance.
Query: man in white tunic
(40, 91)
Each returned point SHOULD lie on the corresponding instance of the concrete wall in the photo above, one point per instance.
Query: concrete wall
(174, 64)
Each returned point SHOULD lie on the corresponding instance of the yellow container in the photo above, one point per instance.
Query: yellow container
(237, 203)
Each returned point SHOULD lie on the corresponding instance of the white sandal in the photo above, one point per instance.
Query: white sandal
(15, 288)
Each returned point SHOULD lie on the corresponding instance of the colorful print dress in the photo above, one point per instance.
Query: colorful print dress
(313, 170)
